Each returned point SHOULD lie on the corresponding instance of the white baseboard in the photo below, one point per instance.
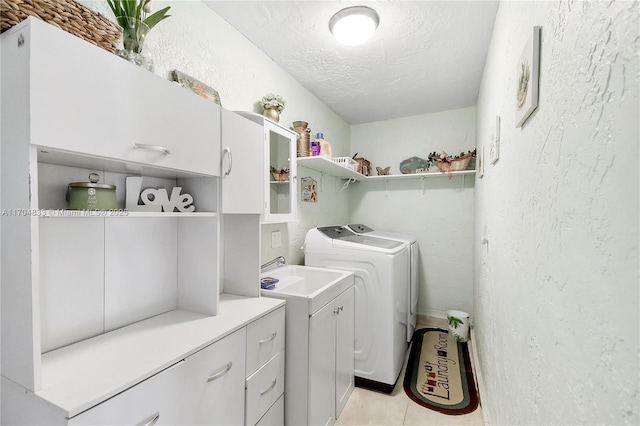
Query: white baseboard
(478, 377)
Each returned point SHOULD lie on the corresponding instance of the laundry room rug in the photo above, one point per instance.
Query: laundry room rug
(439, 374)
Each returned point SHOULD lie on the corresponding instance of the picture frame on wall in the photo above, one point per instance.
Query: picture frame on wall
(528, 73)
(308, 190)
(196, 86)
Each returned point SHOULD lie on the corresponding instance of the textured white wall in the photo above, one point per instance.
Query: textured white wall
(197, 41)
(440, 216)
(556, 289)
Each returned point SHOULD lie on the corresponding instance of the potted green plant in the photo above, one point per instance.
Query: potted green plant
(136, 19)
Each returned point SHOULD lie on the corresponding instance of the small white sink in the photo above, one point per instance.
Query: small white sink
(318, 285)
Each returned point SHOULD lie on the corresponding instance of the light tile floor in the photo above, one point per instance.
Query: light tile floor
(366, 407)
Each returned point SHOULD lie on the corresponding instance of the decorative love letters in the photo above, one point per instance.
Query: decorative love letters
(156, 200)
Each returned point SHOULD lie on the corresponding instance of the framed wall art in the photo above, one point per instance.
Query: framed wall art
(527, 73)
(196, 86)
(308, 190)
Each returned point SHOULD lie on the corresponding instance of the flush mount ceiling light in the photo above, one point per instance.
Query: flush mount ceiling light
(354, 25)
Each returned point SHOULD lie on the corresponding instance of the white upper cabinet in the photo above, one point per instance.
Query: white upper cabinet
(84, 100)
(280, 195)
(242, 165)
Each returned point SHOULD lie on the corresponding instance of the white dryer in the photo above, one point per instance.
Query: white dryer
(414, 264)
(380, 303)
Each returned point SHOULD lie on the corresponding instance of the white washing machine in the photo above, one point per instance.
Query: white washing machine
(414, 264)
(380, 303)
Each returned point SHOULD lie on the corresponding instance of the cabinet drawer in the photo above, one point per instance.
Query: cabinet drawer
(159, 396)
(275, 415)
(214, 382)
(265, 338)
(264, 387)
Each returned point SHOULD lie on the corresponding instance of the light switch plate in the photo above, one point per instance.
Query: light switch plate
(276, 239)
(494, 148)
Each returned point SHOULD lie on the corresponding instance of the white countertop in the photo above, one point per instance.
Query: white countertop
(79, 376)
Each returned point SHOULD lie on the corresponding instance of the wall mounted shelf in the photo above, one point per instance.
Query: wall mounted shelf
(324, 165)
(422, 175)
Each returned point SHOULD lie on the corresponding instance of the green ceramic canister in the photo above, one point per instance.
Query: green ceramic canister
(91, 195)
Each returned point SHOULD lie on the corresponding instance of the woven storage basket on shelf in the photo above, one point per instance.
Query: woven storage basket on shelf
(67, 15)
(456, 165)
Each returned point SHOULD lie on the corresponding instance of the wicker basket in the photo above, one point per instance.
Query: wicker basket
(281, 175)
(67, 15)
(454, 165)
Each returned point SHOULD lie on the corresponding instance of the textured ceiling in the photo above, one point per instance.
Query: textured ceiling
(426, 56)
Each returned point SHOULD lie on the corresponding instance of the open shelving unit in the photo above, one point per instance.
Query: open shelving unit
(325, 165)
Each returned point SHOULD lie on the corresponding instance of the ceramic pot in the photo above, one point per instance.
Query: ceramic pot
(272, 114)
(300, 126)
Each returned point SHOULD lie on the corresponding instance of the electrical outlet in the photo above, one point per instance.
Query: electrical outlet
(494, 148)
(276, 239)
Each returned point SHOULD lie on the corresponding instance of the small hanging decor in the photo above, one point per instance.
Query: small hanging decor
(308, 190)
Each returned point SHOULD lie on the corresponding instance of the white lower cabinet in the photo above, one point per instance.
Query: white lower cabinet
(214, 383)
(331, 359)
(159, 400)
(319, 369)
(345, 349)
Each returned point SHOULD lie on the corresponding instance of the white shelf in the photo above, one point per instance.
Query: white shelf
(324, 165)
(422, 175)
(60, 213)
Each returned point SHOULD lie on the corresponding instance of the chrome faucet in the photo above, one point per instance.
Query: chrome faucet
(278, 261)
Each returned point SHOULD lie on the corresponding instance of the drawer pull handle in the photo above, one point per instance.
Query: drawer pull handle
(273, 336)
(220, 373)
(158, 148)
(153, 421)
(273, 385)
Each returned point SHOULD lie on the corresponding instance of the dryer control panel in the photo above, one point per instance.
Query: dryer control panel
(359, 228)
(336, 232)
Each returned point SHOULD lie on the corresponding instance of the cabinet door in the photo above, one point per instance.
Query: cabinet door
(242, 163)
(113, 109)
(322, 341)
(158, 398)
(345, 348)
(214, 382)
(280, 196)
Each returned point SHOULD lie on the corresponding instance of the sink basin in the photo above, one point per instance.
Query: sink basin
(316, 285)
